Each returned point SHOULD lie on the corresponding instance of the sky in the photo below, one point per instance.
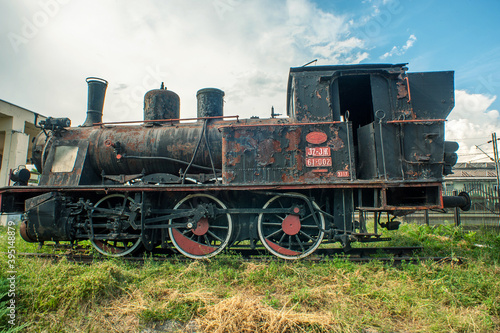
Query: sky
(244, 47)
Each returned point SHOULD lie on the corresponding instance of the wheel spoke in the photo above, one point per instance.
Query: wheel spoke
(206, 239)
(124, 205)
(304, 234)
(281, 218)
(218, 227)
(282, 238)
(272, 223)
(306, 217)
(274, 233)
(215, 236)
(300, 243)
(309, 226)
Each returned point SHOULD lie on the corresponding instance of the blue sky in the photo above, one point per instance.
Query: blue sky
(450, 35)
(244, 47)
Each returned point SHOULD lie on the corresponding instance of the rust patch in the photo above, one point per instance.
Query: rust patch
(277, 146)
(286, 178)
(228, 177)
(300, 162)
(233, 160)
(246, 143)
(412, 174)
(225, 144)
(293, 138)
(234, 147)
(336, 142)
(266, 151)
(315, 176)
(402, 89)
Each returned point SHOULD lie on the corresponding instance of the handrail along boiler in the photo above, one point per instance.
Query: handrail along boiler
(358, 140)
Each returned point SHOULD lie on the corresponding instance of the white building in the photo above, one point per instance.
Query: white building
(17, 129)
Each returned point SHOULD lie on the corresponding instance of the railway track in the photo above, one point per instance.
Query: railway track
(395, 255)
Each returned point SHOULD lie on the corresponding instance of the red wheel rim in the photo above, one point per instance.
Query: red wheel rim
(191, 246)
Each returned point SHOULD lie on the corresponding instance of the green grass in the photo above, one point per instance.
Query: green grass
(230, 295)
(448, 240)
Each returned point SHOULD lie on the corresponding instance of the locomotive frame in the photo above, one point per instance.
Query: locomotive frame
(366, 138)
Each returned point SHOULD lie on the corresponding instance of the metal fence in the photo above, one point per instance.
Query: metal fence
(484, 212)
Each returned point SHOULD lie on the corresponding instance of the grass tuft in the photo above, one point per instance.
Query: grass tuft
(226, 294)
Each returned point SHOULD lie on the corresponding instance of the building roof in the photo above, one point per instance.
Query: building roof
(20, 107)
(476, 165)
(469, 171)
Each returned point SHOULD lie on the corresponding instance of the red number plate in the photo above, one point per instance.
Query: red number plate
(343, 173)
(318, 162)
(318, 151)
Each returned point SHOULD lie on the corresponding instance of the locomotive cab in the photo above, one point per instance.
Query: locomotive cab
(376, 100)
(358, 92)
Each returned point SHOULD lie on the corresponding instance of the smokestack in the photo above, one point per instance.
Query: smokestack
(95, 101)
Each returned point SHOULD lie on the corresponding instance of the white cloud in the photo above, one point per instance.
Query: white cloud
(244, 48)
(400, 50)
(471, 123)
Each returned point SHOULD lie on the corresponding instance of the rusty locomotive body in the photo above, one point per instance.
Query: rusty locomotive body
(358, 139)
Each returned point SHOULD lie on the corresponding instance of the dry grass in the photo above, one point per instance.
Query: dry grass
(248, 314)
(119, 316)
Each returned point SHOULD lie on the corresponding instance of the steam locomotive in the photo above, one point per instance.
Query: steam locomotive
(358, 140)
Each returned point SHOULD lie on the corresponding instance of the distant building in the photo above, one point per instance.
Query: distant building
(17, 128)
(467, 173)
(480, 182)
(477, 179)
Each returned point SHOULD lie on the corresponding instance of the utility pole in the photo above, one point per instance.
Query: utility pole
(495, 155)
